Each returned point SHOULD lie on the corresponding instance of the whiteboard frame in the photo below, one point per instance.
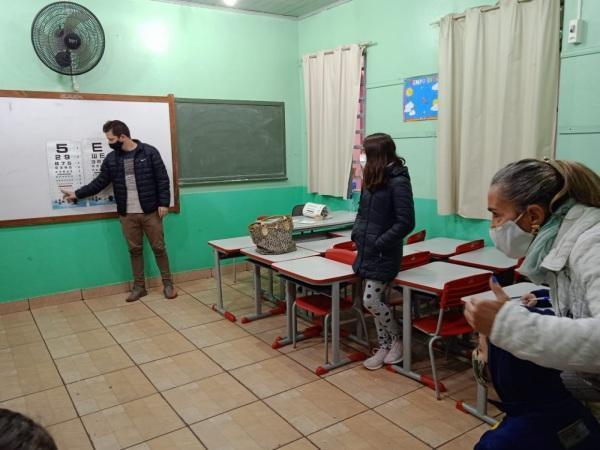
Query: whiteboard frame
(170, 99)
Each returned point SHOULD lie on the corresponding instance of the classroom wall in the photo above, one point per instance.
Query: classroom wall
(579, 100)
(156, 48)
(405, 45)
(219, 54)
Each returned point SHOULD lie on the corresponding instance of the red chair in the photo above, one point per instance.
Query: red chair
(320, 304)
(416, 237)
(408, 262)
(450, 321)
(346, 246)
(518, 276)
(469, 247)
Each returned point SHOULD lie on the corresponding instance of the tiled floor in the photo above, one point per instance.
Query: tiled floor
(173, 374)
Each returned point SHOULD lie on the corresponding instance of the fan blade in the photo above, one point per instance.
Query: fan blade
(74, 19)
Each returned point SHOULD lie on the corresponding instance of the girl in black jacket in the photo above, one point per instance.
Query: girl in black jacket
(385, 216)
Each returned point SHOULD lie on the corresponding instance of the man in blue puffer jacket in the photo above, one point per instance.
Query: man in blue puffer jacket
(142, 192)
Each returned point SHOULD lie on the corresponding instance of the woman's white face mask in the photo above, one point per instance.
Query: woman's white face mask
(363, 160)
(510, 239)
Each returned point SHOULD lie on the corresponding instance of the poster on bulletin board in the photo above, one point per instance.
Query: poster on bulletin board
(421, 98)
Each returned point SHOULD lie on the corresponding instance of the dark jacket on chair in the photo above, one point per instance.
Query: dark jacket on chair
(385, 217)
(151, 179)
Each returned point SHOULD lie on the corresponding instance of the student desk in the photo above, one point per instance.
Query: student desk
(431, 279)
(225, 249)
(322, 245)
(318, 271)
(334, 219)
(231, 248)
(487, 258)
(480, 410)
(259, 260)
(439, 248)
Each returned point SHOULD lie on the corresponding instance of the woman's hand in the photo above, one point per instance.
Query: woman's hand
(481, 313)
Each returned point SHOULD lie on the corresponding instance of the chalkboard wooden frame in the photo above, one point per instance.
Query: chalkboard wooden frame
(170, 99)
(204, 180)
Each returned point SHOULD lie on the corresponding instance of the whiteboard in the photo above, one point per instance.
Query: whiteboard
(30, 122)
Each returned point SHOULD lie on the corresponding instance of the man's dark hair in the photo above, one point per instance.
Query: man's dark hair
(19, 432)
(117, 128)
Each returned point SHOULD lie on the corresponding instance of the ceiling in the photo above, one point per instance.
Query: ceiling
(289, 8)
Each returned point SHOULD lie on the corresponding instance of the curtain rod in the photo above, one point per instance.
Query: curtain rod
(483, 9)
(362, 45)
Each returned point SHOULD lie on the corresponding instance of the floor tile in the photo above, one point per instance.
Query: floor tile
(208, 397)
(24, 334)
(17, 319)
(178, 370)
(366, 431)
(202, 284)
(131, 423)
(252, 427)
(467, 440)
(273, 376)
(26, 369)
(314, 356)
(241, 352)
(214, 333)
(107, 302)
(209, 297)
(70, 436)
(157, 347)
(433, 421)
(74, 344)
(373, 387)
(314, 406)
(269, 336)
(184, 312)
(58, 324)
(94, 363)
(140, 329)
(262, 325)
(105, 391)
(124, 314)
(300, 444)
(47, 407)
(182, 439)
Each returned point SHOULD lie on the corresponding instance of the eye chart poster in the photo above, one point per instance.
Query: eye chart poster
(94, 151)
(65, 170)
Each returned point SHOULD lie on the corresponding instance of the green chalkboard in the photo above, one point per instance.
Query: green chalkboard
(229, 141)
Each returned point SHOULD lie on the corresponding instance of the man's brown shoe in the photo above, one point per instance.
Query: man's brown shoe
(136, 293)
(169, 291)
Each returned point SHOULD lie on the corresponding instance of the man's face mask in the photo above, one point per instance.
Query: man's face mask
(118, 145)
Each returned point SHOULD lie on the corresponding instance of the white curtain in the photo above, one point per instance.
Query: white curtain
(498, 75)
(331, 91)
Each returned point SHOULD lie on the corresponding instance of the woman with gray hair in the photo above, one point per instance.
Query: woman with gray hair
(549, 212)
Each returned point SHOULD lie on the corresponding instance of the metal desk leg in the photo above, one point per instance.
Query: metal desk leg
(220, 307)
(481, 410)
(258, 313)
(335, 336)
(406, 368)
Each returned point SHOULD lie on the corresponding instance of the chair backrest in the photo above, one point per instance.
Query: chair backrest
(469, 247)
(416, 237)
(297, 210)
(415, 260)
(341, 255)
(455, 290)
(346, 246)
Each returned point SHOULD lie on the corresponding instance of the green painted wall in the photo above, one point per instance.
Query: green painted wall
(159, 48)
(579, 100)
(405, 45)
(156, 48)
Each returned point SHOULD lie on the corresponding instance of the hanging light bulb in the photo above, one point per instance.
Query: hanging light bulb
(230, 2)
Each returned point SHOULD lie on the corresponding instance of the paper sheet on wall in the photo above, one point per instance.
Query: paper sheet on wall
(94, 151)
(65, 172)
